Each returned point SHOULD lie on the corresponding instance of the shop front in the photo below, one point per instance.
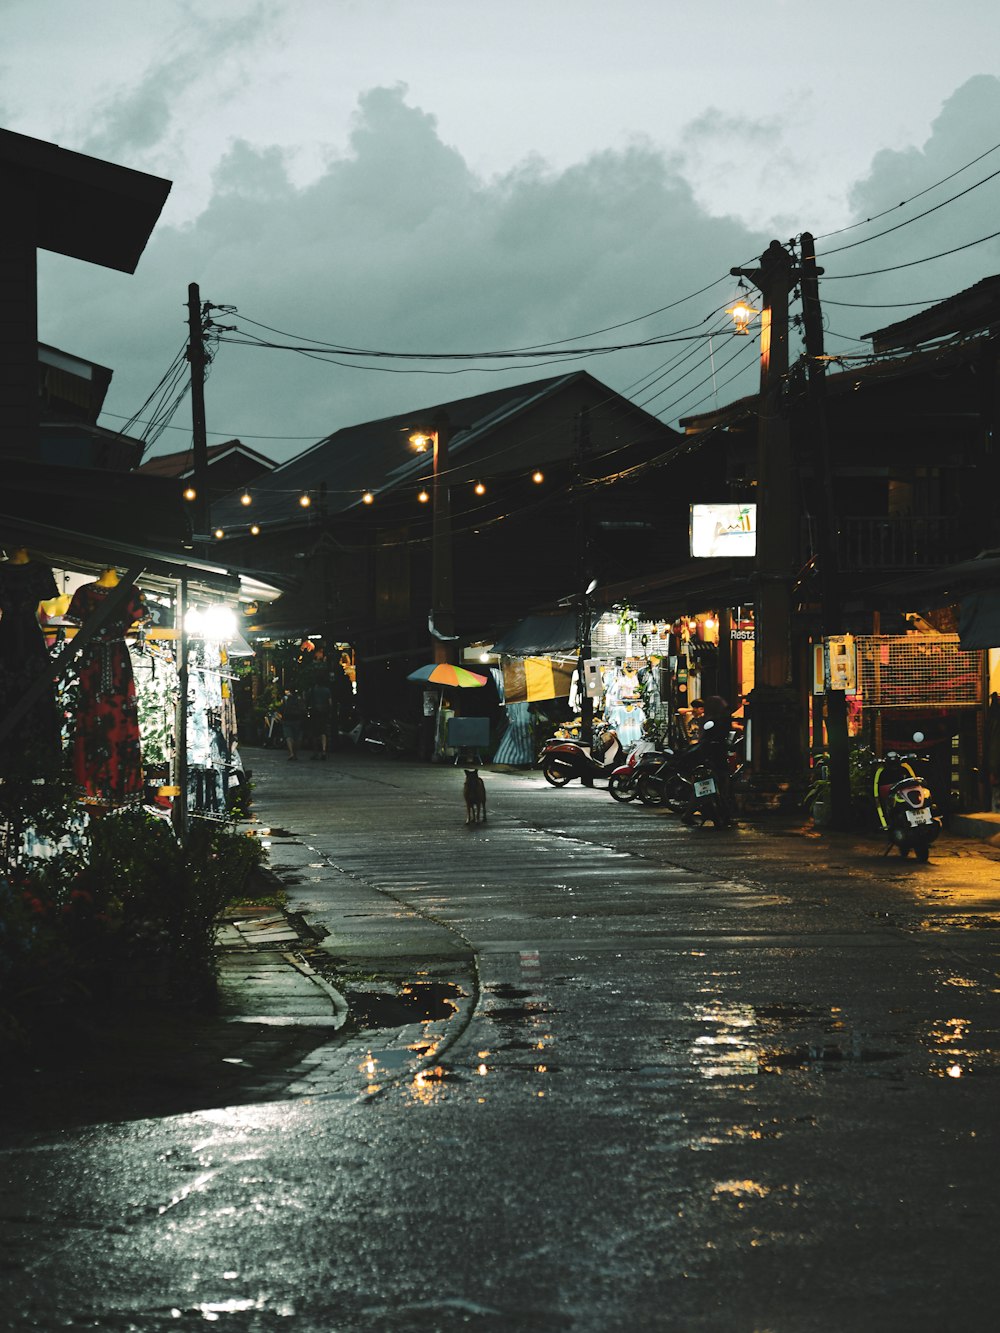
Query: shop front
(117, 670)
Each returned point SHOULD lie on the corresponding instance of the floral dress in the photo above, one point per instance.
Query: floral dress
(107, 763)
(34, 744)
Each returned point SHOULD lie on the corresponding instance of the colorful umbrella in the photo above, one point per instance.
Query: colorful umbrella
(443, 673)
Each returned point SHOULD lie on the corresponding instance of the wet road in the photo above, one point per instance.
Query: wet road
(690, 1081)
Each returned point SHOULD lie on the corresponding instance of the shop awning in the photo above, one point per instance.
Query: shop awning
(979, 621)
(539, 636)
(90, 552)
(699, 585)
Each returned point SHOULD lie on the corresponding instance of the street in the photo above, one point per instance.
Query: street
(601, 1072)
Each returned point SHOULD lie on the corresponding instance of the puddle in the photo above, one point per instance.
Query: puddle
(415, 1002)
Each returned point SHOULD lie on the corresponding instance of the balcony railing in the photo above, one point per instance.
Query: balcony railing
(911, 541)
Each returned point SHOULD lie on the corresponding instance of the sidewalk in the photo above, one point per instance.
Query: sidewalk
(263, 979)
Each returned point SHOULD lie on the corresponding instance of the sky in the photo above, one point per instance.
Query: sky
(456, 177)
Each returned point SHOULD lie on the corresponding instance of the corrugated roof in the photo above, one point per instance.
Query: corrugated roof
(373, 456)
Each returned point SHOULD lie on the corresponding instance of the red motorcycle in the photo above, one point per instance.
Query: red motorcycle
(562, 759)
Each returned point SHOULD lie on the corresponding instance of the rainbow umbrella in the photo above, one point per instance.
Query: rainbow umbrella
(443, 673)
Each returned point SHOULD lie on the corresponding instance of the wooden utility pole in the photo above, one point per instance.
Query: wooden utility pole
(199, 444)
(442, 594)
(777, 752)
(826, 533)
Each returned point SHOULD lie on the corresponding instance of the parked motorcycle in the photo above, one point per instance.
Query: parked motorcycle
(645, 754)
(669, 781)
(903, 803)
(562, 760)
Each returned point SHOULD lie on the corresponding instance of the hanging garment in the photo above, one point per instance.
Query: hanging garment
(107, 761)
(34, 745)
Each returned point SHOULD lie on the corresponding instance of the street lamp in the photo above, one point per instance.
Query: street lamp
(441, 621)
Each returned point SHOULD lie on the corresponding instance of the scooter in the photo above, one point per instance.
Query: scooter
(563, 760)
(645, 754)
(903, 803)
(669, 782)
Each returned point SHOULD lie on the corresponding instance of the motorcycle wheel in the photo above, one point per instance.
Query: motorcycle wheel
(649, 790)
(622, 789)
(556, 774)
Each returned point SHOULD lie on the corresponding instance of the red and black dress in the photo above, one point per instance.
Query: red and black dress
(33, 746)
(107, 761)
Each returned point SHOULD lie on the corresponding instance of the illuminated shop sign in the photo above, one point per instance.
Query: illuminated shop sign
(723, 530)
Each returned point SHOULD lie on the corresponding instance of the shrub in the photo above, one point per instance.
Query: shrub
(128, 914)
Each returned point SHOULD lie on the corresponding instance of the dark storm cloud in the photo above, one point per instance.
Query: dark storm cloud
(139, 118)
(400, 245)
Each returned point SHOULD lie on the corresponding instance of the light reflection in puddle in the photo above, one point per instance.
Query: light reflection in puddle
(744, 1041)
(742, 1189)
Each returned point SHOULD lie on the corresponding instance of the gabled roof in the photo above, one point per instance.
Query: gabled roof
(968, 311)
(181, 464)
(83, 207)
(374, 455)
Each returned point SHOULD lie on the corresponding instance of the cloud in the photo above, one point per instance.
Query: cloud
(138, 119)
(400, 245)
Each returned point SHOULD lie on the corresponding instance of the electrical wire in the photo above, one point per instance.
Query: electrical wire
(912, 199)
(912, 263)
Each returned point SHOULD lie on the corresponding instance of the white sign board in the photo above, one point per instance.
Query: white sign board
(723, 530)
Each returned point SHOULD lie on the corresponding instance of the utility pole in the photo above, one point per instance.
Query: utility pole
(442, 594)
(775, 724)
(826, 534)
(583, 580)
(197, 359)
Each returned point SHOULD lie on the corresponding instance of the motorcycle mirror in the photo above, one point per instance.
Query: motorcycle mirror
(707, 726)
(918, 736)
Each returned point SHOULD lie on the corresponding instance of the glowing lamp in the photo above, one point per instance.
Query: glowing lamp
(246, 498)
(742, 313)
(219, 533)
(423, 497)
(190, 493)
(367, 498)
(479, 488)
(420, 442)
(254, 530)
(305, 501)
(538, 477)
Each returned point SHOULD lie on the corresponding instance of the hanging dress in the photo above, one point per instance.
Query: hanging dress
(33, 747)
(107, 763)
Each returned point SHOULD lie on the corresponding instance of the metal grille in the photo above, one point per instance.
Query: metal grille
(908, 670)
(608, 638)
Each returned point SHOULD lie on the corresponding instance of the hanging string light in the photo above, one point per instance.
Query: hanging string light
(367, 498)
(538, 477)
(254, 530)
(423, 497)
(190, 493)
(246, 498)
(305, 500)
(219, 533)
(479, 488)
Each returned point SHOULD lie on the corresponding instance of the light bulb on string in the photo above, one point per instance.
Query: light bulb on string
(305, 500)
(479, 488)
(423, 497)
(367, 498)
(190, 493)
(246, 498)
(538, 477)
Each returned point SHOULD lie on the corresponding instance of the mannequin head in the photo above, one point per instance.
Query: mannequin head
(108, 578)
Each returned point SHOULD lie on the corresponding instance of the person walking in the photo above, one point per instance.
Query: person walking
(293, 716)
(320, 703)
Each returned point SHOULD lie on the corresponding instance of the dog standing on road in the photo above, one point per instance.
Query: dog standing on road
(474, 792)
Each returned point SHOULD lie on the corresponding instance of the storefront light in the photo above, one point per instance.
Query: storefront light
(217, 623)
